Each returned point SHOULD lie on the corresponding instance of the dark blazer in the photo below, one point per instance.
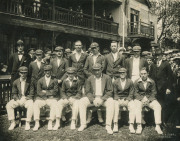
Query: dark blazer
(126, 93)
(14, 64)
(16, 90)
(129, 65)
(34, 72)
(58, 72)
(107, 88)
(88, 68)
(150, 91)
(112, 67)
(51, 90)
(75, 90)
(79, 65)
(163, 77)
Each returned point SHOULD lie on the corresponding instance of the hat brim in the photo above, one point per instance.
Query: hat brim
(23, 71)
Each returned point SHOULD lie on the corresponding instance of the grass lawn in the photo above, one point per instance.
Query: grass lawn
(94, 132)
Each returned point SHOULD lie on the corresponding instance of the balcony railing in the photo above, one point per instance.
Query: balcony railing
(141, 28)
(47, 12)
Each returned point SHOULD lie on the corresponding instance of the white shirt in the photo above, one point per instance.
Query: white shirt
(123, 83)
(23, 82)
(145, 84)
(98, 91)
(47, 80)
(20, 57)
(115, 55)
(95, 58)
(159, 63)
(77, 55)
(135, 68)
(58, 61)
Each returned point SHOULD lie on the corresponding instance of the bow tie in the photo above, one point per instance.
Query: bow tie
(21, 53)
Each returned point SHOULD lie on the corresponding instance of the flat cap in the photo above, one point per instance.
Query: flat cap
(144, 53)
(122, 70)
(136, 48)
(47, 67)
(97, 66)
(150, 57)
(31, 50)
(39, 51)
(158, 51)
(122, 49)
(105, 51)
(94, 45)
(71, 70)
(23, 69)
(20, 42)
(176, 58)
(58, 48)
(47, 50)
(68, 50)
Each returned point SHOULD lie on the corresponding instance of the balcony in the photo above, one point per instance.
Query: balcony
(140, 30)
(50, 14)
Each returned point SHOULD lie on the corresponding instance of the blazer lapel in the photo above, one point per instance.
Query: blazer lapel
(74, 57)
(81, 57)
(103, 81)
(94, 85)
(140, 63)
(26, 87)
(22, 60)
(19, 86)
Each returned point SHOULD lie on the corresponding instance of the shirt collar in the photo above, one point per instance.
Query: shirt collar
(20, 53)
(47, 78)
(148, 80)
(38, 61)
(100, 77)
(99, 54)
(74, 52)
(21, 80)
(114, 53)
(67, 79)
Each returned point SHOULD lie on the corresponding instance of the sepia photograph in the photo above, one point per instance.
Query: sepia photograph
(89, 70)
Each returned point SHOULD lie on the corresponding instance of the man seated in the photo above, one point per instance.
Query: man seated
(71, 93)
(123, 97)
(21, 98)
(145, 95)
(98, 90)
(47, 89)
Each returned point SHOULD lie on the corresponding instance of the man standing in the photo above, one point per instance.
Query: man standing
(77, 60)
(17, 60)
(98, 91)
(96, 57)
(135, 64)
(163, 79)
(59, 65)
(21, 97)
(47, 89)
(145, 95)
(114, 61)
(123, 97)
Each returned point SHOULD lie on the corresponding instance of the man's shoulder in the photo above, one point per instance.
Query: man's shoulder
(16, 81)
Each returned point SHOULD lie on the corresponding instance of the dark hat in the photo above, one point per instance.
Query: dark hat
(68, 50)
(53, 53)
(122, 70)
(158, 51)
(136, 48)
(150, 57)
(105, 51)
(23, 69)
(94, 45)
(97, 66)
(126, 53)
(58, 48)
(122, 49)
(47, 67)
(20, 42)
(31, 50)
(39, 51)
(47, 50)
(176, 58)
(71, 70)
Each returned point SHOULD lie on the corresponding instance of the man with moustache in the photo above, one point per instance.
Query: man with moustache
(17, 60)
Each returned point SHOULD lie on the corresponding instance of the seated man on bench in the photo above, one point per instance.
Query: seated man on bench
(71, 93)
(98, 92)
(47, 89)
(21, 98)
(123, 97)
(145, 95)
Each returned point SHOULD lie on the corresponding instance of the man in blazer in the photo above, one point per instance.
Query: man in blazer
(163, 77)
(71, 93)
(59, 65)
(47, 89)
(123, 96)
(21, 97)
(114, 61)
(77, 60)
(17, 60)
(135, 64)
(98, 91)
(96, 57)
(36, 70)
(145, 95)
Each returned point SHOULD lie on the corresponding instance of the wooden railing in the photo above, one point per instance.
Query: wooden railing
(58, 14)
(5, 91)
(141, 28)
